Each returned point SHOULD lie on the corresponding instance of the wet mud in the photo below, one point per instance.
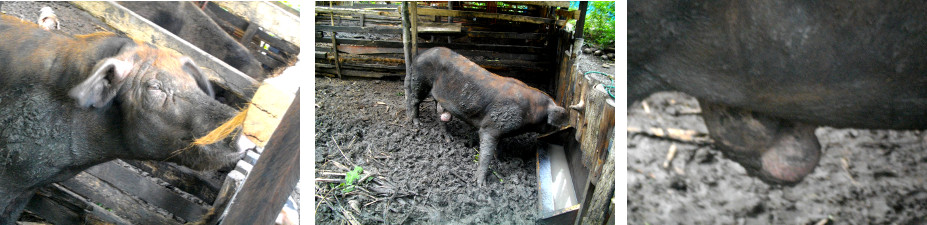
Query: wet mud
(864, 177)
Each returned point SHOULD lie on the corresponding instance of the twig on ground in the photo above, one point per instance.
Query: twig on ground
(374, 201)
(669, 156)
(329, 180)
(646, 107)
(339, 148)
(673, 134)
(846, 168)
(332, 174)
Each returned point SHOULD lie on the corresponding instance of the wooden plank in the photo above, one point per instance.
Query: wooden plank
(270, 183)
(598, 207)
(455, 46)
(361, 73)
(270, 17)
(561, 4)
(142, 187)
(230, 23)
(203, 185)
(508, 35)
(368, 6)
(141, 29)
(131, 209)
(365, 50)
(406, 35)
(439, 28)
(368, 29)
(474, 14)
(59, 202)
(320, 9)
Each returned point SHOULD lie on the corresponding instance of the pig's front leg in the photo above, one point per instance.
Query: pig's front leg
(489, 139)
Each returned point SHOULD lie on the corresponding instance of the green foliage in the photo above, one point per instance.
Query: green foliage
(349, 180)
(600, 22)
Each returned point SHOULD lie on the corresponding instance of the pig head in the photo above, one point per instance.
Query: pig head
(498, 106)
(70, 102)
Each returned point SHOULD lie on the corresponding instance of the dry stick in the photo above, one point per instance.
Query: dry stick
(669, 156)
(374, 201)
(674, 134)
(329, 180)
(846, 168)
(339, 148)
(646, 108)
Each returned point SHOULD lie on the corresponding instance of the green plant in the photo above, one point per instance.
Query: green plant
(349, 180)
(600, 22)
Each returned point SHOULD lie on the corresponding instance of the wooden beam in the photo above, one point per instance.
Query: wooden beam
(113, 199)
(368, 29)
(270, 17)
(473, 14)
(141, 29)
(580, 23)
(143, 188)
(391, 13)
(273, 178)
(230, 22)
(203, 185)
(454, 46)
(562, 4)
(439, 28)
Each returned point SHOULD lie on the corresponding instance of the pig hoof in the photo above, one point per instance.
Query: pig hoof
(774, 150)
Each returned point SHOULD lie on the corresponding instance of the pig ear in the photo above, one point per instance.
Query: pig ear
(102, 85)
(556, 115)
(191, 68)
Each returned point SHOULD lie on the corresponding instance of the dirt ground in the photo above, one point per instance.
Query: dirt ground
(864, 177)
(418, 178)
(73, 20)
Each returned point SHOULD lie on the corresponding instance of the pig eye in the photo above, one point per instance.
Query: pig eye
(154, 85)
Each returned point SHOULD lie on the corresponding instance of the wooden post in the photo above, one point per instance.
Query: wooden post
(450, 19)
(273, 178)
(413, 20)
(335, 44)
(249, 34)
(583, 5)
(598, 208)
(406, 46)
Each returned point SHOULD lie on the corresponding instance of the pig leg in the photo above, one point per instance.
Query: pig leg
(489, 139)
(775, 150)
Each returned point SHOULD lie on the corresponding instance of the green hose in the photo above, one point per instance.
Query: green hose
(610, 89)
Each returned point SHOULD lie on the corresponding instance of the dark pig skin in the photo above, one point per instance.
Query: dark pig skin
(498, 106)
(70, 102)
(767, 73)
(190, 23)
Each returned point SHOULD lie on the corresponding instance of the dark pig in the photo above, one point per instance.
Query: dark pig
(767, 73)
(190, 23)
(70, 102)
(498, 106)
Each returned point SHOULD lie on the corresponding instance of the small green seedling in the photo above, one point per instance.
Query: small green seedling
(400, 93)
(349, 179)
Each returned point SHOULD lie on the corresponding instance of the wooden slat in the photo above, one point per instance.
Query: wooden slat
(455, 46)
(562, 4)
(321, 9)
(203, 185)
(439, 28)
(58, 205)
(230, 22)
(360, 73)
(137, 185)
(111, 198)
(509, 35)
(141, 29)
(474, 14)
(270, 17)
(598, 208)
(369, 29)
(270, 183)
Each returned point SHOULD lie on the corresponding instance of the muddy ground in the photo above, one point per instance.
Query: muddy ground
(864, 177)
(418, 178)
